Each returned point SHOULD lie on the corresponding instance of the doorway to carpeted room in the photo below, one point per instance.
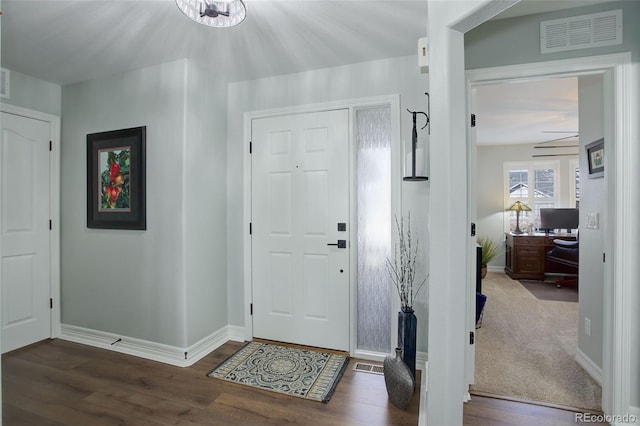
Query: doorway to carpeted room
(526, 347)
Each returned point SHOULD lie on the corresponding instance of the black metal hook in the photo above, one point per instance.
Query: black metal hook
(414, 117)
(426, 114)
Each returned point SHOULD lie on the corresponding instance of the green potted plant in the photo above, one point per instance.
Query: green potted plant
(490, 249)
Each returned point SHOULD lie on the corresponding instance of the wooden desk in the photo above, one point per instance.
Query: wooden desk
(525, 253)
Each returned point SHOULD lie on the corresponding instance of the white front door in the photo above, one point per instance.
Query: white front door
(25, 231)
(300, 207)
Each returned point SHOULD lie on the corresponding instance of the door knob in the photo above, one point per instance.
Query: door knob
(339, 244)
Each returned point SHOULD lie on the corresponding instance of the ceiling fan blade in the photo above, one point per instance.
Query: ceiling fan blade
(558, 139)
(554, 155)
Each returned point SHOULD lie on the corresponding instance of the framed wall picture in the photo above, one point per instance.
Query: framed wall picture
(116, 189)
(595, 158)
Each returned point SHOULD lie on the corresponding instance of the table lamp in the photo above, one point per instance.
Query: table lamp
(518, 207)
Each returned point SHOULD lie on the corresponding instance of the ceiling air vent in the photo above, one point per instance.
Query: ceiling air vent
(4, 83)
(581, 32)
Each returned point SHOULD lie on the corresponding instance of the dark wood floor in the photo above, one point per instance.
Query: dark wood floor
(56, 382)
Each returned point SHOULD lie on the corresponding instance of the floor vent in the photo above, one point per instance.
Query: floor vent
(581, 32)
(368, 368)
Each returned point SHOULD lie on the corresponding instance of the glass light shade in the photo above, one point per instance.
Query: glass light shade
(193, 10)
(519, 207)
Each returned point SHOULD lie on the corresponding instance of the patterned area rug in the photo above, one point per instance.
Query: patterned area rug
(298, 372)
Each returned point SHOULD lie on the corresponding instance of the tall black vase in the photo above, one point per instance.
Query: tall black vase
(407, 328)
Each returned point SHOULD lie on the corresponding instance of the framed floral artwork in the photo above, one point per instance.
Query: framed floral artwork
(595, 158)
(116, 190)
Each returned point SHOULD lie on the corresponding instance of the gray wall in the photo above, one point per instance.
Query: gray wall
(593, 199)
(148, 284)
(205, 207)
(490, 187)
(517, 40)
(383, 77)
(126, 282)
(32, 93)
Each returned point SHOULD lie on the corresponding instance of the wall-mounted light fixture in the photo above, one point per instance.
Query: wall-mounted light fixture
(414, 145)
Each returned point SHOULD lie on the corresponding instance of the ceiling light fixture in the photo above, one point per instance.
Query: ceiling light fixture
(221, 14)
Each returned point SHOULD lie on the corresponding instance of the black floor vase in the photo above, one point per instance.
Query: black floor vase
(407, 329)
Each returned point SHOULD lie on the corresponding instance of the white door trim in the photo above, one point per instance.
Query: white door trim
(623, 200)
(54, 204)
(393, 101)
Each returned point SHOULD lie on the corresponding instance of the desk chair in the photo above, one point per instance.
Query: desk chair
(563, 259)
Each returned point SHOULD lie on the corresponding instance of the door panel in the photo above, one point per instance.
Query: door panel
(299, 194)
(25, 232)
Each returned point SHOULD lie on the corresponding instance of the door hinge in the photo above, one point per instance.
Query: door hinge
(472, 337)
(50, 225)
(250, 147)
(251, 309)
(473, 120)
(473, 229)
(603, 258)
(250, 228)
(50, 303)
(50, 145)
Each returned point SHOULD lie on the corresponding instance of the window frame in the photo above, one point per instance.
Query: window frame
(530, 199)
(574, 196)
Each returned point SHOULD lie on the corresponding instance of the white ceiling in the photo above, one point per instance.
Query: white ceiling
(67, 41)
(528, 112)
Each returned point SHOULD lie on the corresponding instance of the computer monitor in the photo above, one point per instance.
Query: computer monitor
(551, 219)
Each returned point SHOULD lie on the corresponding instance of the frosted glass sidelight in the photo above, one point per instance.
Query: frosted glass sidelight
(373, 181)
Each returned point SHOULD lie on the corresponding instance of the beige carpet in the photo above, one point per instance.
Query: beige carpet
(525, 348)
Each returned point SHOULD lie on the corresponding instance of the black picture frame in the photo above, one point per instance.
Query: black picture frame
(116, 179)
(595, 158)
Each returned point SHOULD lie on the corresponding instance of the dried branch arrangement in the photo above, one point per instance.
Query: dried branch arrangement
(402, 269)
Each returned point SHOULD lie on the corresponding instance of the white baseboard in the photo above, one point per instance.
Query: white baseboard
(589, 366)
(181, 357)
(421, 357)
(499, 268)
(236, 333)
(370, 355)
(421, 360)
(422, 411)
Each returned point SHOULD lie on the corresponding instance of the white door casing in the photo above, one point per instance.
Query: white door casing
(472, 214)
(26, 251)
(622, 199)
(300, 192)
